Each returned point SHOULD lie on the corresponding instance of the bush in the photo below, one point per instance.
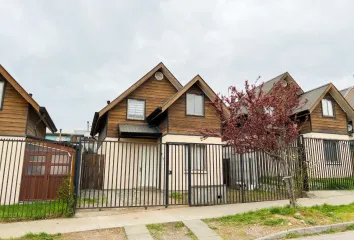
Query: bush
(65, 193)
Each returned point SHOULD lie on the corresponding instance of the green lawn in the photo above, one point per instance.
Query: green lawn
(39, 236)
(235, 196)
(267, 221)
(332, 184)
(33, 210)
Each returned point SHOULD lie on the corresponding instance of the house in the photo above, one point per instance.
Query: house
(326, 116)
(28, 163)
(133, 130)
(20, 115)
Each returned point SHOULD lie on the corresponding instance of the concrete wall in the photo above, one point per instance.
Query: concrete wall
(12, 153)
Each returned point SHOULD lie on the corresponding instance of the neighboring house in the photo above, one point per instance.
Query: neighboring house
(327, 118)
(27, 160)
(20, 115)
(156, 110)
(348, 93)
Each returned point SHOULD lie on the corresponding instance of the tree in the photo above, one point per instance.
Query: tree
(259, 121)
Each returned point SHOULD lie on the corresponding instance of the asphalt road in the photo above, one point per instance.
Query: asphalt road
(336, 236)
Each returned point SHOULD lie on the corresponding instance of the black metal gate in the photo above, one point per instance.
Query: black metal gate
(121, 174)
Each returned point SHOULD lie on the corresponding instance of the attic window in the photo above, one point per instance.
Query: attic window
(327, 108)
(136, 109)
(195, 104)
(2, 93)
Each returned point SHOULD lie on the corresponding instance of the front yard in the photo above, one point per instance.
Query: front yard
(34, 210)
(263, 222)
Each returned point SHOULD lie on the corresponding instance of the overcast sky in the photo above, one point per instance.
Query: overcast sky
(74, 55)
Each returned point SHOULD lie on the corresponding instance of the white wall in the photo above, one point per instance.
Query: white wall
(12, 153)
(138, 165)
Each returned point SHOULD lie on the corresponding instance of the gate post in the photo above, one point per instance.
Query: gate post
(167, 154)
(242, 177)
(77, 171)
(303, 164)
(189, 175)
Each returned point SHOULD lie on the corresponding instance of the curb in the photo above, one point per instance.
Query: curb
(303, 231)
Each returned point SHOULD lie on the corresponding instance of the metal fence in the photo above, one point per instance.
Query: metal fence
(34, 174)
(330, 164)
(122, 174)
(31, 174)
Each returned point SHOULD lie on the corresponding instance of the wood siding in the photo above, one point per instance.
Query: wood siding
(154, 92)
(35, 127)
(164, 125)
(180, 123)
(13, 115)
(336, 124)
(305, 125)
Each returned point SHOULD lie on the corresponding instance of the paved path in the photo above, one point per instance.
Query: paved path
(137, 232)
(53, 226)
(201, 230)
(335, 236)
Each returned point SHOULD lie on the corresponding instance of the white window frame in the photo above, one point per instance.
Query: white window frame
(131, 116)
(327, 108)
(192, 112)
(2, 93)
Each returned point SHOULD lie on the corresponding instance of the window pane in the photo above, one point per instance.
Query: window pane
(136, 109)
(198, 107)
(324, 107)
(190, 104)
(330, 150)
(35, 170)
(60, 159)
(2, 85)
(198, 157)
(330, 108)
(59, 170)
(35, 158)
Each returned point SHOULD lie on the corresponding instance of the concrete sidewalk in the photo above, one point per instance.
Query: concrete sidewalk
(53, 226)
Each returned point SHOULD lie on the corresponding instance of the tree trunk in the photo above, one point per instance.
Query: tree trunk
(289, 182)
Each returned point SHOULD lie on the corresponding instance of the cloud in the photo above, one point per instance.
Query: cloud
(75, 55)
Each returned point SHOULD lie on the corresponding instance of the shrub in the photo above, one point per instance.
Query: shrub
(65, 193)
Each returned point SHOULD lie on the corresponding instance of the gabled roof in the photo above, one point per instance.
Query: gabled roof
(268, 85)
(40, 110)
(348, 93)
(160, 67)
(201, 84)
(314, 96)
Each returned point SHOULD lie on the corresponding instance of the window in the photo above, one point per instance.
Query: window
(330, 149)
(198, 158)
(195, 105)
(2, 93)
(136, 109)
(327, 108)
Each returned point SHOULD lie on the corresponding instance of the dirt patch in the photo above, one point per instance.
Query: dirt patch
(106, 234)
(170, 231)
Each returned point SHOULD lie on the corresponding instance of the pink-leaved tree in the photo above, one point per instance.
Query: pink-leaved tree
(259, 121)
